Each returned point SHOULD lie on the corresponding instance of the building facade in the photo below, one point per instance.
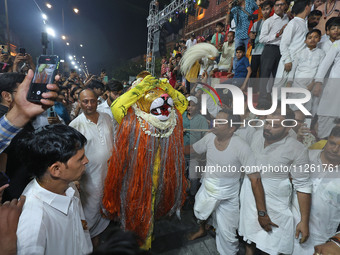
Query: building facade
(204, 21)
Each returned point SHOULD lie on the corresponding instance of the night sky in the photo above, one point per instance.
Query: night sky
(110, 30)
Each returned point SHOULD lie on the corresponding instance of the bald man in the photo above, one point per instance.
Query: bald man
(98, 129)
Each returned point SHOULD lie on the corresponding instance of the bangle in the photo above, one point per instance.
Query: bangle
(336, 239)
(331, 240)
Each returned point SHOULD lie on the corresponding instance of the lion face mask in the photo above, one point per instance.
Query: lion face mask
(157, 103)
(145, 178)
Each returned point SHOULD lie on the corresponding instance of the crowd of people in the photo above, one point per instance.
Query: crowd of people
(284, 196)
(266, 46)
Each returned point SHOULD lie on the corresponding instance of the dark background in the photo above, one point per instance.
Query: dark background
(111, 31)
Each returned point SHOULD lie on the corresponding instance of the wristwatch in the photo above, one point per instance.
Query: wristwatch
(262, 213)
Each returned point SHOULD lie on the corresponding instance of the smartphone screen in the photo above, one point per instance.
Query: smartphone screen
(308, 122)
(44, 74)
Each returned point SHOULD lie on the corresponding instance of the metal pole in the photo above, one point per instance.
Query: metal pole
(7, 23)
(63, 17)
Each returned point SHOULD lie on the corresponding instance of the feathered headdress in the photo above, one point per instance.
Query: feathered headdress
(195, 53)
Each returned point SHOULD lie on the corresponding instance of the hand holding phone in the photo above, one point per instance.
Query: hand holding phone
(44, 74)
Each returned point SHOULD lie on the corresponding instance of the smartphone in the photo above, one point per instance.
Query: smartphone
(308, 122)
(22, 51)
(45, 72)
(106, 79)
(3, 179)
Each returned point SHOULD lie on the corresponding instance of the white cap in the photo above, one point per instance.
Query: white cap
(192, 98)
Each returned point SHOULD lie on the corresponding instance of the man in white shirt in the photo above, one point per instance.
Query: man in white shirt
(52, 221)
(281, 157)
(271, 34)
(98, 129)
(219, 194)
(292, 41)
(228, 52)
(328, 109)
(191, 41)
(325, 207)
(114, 90)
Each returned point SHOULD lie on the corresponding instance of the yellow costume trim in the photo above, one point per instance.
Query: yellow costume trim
(193, 73)
(121, 105)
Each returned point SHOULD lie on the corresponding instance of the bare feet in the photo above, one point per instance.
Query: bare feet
(200, 233)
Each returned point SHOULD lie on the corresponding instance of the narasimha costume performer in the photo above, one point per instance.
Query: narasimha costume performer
(145, 178)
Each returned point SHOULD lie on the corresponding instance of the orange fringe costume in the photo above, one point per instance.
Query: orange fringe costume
(145, 178)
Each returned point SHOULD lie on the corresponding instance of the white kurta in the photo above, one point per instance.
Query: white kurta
(305, 67)
(330, 103)
(325, 207)
(329, 106)
(246, 133)
(98, 150)
(293, 41)
(228, 52)
(278, 189)
(104, 107)
(218, 195)
(51, 224)
(325, 43)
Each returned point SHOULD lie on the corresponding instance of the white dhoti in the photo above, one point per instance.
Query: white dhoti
(277, 193)
(225, 215)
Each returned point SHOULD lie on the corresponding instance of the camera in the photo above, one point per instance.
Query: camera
(252, 17)
(235, 3)
(22, 51)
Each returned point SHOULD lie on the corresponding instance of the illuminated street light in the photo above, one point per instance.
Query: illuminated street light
(76, 67)
(67, 43)
(48, 5)
(74, 56)
(81, 45)
(83, 57)
(44, 16)
(63, 37)
(84, 62)
(73, 63)
(76, 10)
(79, 69)
(70, 57)
(50, 31)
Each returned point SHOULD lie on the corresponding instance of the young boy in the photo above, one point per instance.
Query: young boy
(218, 37)
(305, 67)
(227, 56)
(329, 105)
(292, 40)
(242, 69)
(332, 34)
(255, 32)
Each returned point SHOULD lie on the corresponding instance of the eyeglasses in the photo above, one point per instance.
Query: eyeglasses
(277, 5)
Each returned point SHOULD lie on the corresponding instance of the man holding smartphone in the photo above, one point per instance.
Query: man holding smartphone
(23, 62)
(21, 113)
